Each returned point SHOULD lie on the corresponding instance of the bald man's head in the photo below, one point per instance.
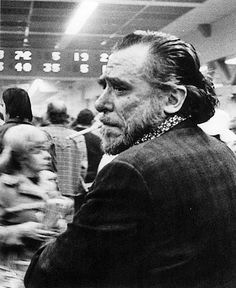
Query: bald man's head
(57, 112)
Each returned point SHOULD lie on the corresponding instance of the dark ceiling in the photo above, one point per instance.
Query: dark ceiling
(41, 24)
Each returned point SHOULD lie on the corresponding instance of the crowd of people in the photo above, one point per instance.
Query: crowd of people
(151, 202)
(41, 171)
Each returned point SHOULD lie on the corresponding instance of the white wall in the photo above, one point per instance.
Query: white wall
(76, 94)
(221, 43)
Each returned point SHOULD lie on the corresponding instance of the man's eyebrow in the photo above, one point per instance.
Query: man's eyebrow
(113, 81)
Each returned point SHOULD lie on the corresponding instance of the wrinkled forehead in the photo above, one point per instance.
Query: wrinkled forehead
(129, 60)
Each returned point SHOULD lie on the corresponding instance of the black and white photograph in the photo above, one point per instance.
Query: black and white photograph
(117, 144)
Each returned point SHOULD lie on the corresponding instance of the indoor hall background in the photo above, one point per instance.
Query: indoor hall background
(40, 25)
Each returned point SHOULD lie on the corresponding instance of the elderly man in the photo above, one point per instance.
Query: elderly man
(163, 212)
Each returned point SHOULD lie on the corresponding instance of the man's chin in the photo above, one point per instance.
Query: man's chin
(114, 140)
(113, 146)
(110, 144)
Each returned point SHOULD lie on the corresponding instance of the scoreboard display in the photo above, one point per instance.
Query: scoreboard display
(52, 63)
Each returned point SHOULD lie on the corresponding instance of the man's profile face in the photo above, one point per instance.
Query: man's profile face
(125, 100)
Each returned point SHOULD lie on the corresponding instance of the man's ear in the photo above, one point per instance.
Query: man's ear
(175, 99)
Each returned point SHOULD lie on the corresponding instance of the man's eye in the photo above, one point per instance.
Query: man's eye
(119, 89)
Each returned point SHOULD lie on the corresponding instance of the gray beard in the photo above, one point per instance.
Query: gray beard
(141, 123)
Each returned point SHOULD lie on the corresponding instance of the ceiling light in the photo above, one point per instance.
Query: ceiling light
(231, 61)
(27, 31)
(25, 42)
(34, 87)
(82, 13)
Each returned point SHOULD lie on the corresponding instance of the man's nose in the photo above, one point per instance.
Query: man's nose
(104, 102)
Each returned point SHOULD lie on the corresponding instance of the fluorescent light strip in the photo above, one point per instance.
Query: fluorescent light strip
(34, 86)
(231, 61)
(82, 13)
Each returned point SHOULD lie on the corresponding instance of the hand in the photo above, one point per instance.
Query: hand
(53, 194)
(61, 226)
(36, 231)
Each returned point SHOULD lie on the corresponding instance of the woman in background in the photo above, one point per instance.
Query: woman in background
(24, 193)
(16, 109)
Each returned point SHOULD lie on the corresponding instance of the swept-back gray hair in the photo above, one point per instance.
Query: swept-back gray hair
(173, 62)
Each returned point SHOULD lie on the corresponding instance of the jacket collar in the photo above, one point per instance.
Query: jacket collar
(18, 121)
(168, 124)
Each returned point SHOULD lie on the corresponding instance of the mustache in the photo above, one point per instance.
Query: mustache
(106, 120)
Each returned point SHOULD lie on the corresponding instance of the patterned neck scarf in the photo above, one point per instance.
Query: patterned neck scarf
(165, 126)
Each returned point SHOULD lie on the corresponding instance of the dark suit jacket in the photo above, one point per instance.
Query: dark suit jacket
(161, 214)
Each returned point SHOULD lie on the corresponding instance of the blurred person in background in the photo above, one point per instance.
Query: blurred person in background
(163, 212)
(84, 120)
(1, 119)
(71, 155)
(24, 193)
(38, 121)
(232, 127)
(232, 124)
(16, 107)
(219, 127)
(2, 111)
